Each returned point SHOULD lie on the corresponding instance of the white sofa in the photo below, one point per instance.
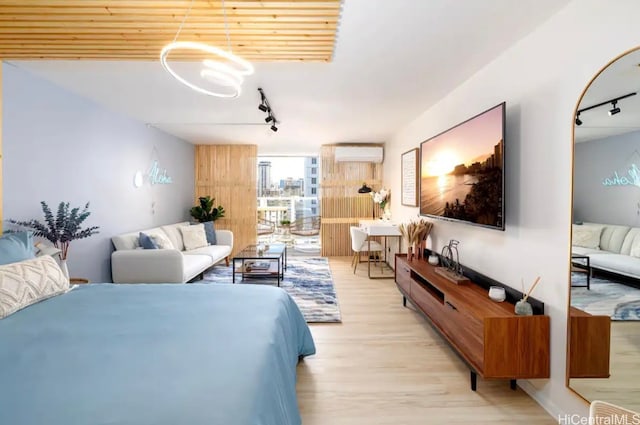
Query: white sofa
(610, 247)
(132, 264)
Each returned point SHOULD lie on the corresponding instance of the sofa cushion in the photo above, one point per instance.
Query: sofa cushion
(587, 251)
(28, 282)
(16, 247)
(194, 265)
(131, 240)
(586, 236)
(214, 252)
(210, 231)
(631, 244)
(616, 263)
(146, 242)
(193, 237)
(173, 232)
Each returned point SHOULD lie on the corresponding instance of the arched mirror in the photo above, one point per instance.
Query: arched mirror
(603, 356)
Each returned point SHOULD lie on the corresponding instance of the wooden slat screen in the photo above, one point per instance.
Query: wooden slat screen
(259, 30)
(342, 205)
(229, 173)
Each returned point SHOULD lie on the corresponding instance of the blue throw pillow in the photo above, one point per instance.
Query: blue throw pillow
(210, 231)
(16, 247)
(146, 242)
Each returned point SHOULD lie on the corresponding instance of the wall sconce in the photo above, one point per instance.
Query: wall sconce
(138, 179)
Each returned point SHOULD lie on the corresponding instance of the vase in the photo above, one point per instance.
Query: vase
(523, 308)
(410, 253)
(64, 268)
(386, 213)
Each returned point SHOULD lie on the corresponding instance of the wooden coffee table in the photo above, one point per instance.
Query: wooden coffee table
(269, 263)
(583, 265)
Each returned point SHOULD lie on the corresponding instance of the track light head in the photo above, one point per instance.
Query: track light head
(269, 118)
(263, 107)
(578, 120)
(274, 128)
(615, 109)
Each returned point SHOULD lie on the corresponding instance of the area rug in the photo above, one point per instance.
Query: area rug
(606, 297)
(307, 279)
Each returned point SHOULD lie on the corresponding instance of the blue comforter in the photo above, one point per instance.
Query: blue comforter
(154, 355)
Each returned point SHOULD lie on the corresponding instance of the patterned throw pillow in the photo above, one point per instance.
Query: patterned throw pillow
(193, 237)
(28, 282)
(161, 241)
(586, 236)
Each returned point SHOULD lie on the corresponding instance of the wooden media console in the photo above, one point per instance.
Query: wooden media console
(494, 341)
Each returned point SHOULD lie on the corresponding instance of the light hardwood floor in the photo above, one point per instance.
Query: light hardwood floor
(622, 387)
(385, 365)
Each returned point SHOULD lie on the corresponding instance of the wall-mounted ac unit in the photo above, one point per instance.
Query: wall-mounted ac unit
(359, 154)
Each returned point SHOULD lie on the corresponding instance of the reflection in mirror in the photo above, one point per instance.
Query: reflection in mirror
(604, 315)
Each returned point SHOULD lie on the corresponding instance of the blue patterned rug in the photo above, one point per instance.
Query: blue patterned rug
(307, 279)
(606, 297)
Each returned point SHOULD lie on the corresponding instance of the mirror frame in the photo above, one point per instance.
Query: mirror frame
(573, 147)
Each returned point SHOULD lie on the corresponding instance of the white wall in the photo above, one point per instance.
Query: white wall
(59, 146)
(541, 79)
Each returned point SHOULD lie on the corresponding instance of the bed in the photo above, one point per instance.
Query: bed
(150, 354)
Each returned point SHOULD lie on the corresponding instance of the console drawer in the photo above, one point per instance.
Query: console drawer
(403, 276)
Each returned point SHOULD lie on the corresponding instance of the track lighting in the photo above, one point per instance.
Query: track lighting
(614, 106)
(265, 107)
(615, 109)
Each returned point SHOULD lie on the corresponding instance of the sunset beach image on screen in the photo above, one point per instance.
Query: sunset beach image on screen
(462, 171)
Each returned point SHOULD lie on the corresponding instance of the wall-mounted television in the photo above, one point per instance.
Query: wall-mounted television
(462, 171)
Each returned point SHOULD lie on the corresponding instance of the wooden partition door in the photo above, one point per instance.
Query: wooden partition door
(228, 173)
(341, 204)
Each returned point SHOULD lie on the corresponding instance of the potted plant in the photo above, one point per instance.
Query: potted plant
(61, 229)
(205, 211)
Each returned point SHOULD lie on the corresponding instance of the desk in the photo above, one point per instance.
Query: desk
(385, 229)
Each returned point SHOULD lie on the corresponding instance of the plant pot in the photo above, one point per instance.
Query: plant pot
(65, 269)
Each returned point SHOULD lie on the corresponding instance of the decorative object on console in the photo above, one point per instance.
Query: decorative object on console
(451, 268)
(61, 229)
(497, 293)
(416, 233)
(206, 211)
(434, 260)
(522, 307)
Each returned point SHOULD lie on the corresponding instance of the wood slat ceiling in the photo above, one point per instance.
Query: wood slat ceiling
(259, 30)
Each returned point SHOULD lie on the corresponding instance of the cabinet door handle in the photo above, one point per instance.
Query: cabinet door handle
(407, 271)
(451, 305)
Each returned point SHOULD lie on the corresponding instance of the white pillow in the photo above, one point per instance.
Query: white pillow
(28, 282)
(635, 247)
(194, 236)
(162, 241)
(586, 236)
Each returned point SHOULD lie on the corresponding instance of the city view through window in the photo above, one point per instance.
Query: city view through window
(288, 202)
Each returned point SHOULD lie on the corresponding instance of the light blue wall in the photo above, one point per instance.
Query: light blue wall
(596, 161)
(59, 146)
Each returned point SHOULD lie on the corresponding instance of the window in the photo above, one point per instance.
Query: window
(313, 171)
(314, 180)
(313, 190)
(314, 161)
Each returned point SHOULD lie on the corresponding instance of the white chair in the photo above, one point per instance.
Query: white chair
(601, 412)
(359, 243)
